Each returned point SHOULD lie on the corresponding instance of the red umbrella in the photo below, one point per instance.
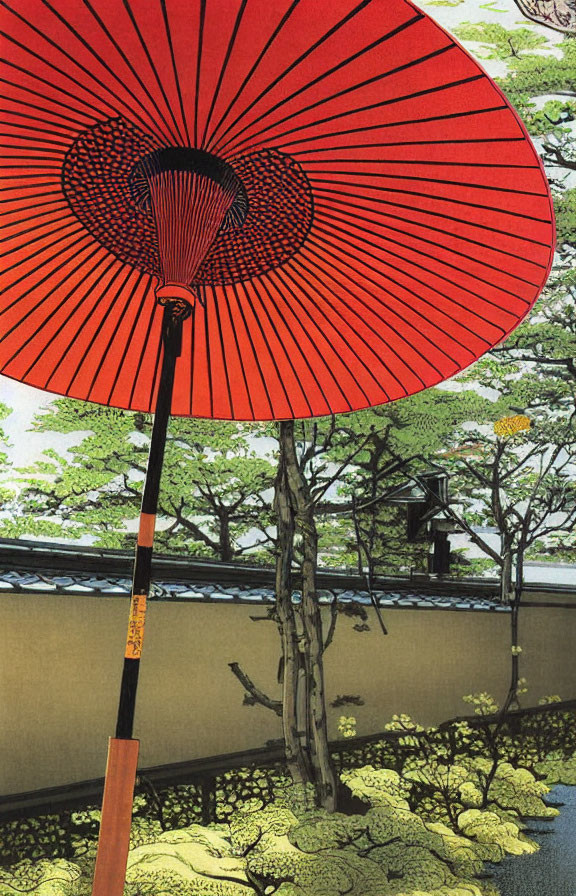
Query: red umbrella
(333, 202)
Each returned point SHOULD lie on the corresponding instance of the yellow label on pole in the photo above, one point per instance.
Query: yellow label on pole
(136, 627)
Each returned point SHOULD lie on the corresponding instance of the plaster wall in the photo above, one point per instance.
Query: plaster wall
(61, 658)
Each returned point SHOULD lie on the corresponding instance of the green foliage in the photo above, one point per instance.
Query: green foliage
(438, 808)
(534, 74)
(32, 839)
(565, 207)
(212, 496)
(515, 790)
(496, 42)
(6, 489)
(558, 769)
(483, 703)
(347, 726)
(43, 878)
(5, 411)
(501, 838)
(188, 862)
(378, 786)
(552, 118)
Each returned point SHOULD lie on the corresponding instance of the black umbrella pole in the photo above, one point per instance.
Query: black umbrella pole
(114, 839)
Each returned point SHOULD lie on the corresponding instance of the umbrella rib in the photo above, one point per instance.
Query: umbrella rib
(83, 236)
(239, 353)
(128, 8)
(255, 65)
(450, 142)
(271, 354)
(390, 310)
(437, 180)
(281, 342)
(98, 329)
(249, 334)
(173, 61)
(303, 56)
(340, 93)
(448, 116)
(383, 223)
(51, 65)
(379, 105)
(148, 118)
(112, 337)
(252, 346)
(46, 121)
(310, 296)
(434, 258)
(192, 353)
(28, 230)
(401, 302)
(22, 186)
(223, 69)
(156, 371)
(416, 295)
(490, 208)
(37, 130)
(129, 64)
(198, 67)
(128, 342)
(313, 269)
(380, 40)
(266, 283)
(273, 275)
(425, 211)
(202, 298)
(79, 122)
(354, 255)
(19, 177)
(283, 276)
(216, 306)
(83, 68)
(44, 299)
(414, 162)
(36, 205)
(41, 195)
(47, 155)
(80, 329)
(142, 353)
(32, 241)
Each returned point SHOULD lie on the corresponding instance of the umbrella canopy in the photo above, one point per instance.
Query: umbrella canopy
(389, 220)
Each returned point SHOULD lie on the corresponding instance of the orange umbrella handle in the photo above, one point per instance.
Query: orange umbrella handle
(114, 841)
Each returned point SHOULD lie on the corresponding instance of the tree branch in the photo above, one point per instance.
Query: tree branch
(333, 621)
(255, 693)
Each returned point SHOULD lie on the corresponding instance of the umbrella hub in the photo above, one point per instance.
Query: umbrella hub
(107, 180)
(191, 196)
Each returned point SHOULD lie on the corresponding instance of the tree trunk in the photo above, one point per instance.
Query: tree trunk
(514, 627)
(292, 721)
(224, 543)
(506, 593)
(302, 504)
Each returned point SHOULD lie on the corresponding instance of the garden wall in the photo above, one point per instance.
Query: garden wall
(61, 657)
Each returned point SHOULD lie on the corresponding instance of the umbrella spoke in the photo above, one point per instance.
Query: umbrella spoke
(321, 77)
(340, 201)
(236, 145)
(349, 218)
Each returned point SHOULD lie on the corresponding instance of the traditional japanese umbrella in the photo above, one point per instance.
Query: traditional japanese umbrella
(251, 210)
